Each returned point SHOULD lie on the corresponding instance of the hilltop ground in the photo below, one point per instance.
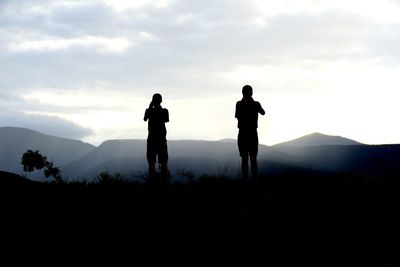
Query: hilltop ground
(296, 218)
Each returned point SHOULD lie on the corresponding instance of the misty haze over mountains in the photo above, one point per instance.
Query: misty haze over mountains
(82, 161)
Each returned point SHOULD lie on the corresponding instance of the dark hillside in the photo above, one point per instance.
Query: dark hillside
(299, 217)
(16, 141)
(376, 159)
(8, 179)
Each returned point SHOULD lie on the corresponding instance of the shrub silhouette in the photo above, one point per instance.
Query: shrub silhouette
(107, 178)
(189, 175)
(33, 160)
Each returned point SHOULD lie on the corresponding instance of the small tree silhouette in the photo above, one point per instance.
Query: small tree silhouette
(33, 160)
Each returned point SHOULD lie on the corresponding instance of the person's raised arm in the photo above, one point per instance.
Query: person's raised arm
(237, 110)
(166, 115)
(260, 109)
(151, 105)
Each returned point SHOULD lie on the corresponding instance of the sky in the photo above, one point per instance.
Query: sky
(87, 69)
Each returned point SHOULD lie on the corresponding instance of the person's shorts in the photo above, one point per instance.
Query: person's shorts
(157, 147)
(248, 142)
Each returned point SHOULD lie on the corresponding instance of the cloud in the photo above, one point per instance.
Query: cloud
(138, 47)
(108, 44)
(188, 50)
(51, 125)
(185, 44)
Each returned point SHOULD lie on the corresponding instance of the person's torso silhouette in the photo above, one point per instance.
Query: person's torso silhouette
(157, 116)
(247, 114)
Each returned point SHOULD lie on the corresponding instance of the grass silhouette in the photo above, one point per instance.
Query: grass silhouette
(313, 218)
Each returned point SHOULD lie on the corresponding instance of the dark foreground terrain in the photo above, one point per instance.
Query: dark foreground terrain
(295, 218)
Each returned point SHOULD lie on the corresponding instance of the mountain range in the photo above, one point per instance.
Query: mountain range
(318, 139)
(82, 161)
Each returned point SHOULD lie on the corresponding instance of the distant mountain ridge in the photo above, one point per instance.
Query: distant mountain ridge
(79, 160)
(319, 139)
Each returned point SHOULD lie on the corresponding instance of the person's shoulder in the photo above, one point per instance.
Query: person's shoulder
(165, 112)
(258, 106)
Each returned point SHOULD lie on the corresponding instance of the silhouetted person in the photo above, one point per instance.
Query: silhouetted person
(157, 137)
(247, 115)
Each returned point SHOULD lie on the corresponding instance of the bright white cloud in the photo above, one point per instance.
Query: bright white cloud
(121, 5)
(384, 11)
(115, 45)
(147, 36)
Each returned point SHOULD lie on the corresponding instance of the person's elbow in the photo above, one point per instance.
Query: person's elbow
(262, 112)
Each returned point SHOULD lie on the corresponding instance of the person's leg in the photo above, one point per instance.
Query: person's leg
(253, 151)
(254, 166)
(163, 159)
(151, 158)
(245, 165)
(243, 151)
(164, 170)
(152, 169)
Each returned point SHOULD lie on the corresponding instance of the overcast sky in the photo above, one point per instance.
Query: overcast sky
(87, 69)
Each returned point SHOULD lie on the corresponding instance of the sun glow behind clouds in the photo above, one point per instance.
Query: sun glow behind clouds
(342, 96)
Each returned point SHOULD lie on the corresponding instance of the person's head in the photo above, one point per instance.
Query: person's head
(247, 91)
(157, 99)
